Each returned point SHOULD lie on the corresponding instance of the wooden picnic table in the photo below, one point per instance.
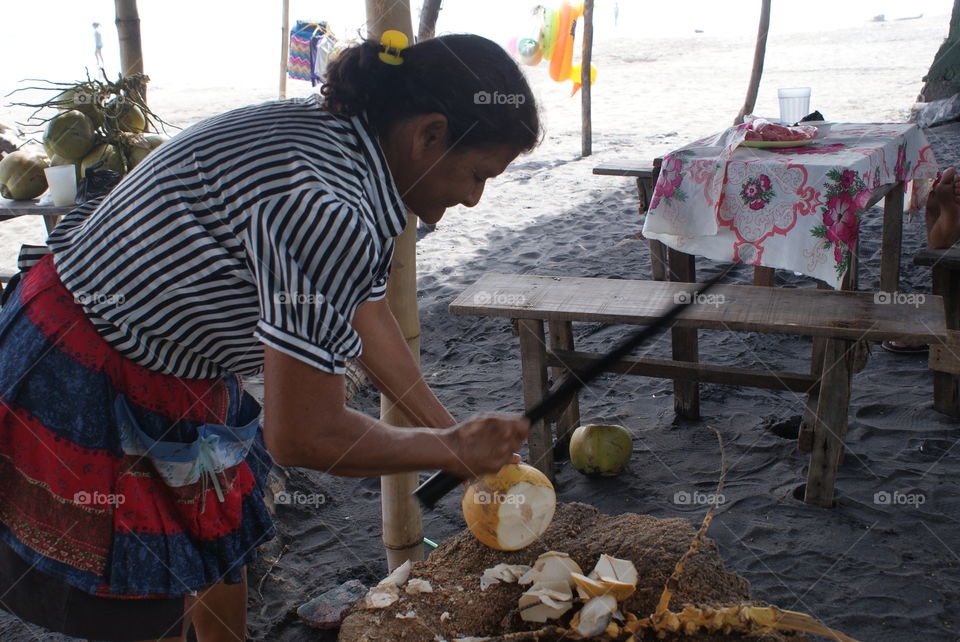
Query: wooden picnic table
(15, 209)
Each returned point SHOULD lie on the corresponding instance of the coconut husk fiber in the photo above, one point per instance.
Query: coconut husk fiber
(454, 570)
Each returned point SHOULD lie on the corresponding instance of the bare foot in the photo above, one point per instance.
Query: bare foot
(944, 230)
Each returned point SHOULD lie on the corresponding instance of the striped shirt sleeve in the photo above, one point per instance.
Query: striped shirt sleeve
(314, 263)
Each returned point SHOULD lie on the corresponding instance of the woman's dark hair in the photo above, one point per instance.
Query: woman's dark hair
(467, 78)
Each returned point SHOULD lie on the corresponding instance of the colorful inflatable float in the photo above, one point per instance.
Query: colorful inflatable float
(554, 37)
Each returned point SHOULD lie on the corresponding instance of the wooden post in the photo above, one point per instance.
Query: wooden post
(586, 146)
(561, 338)
(284, 48)
(402, 525)
(946, 386)
(758, 54)
(891, 243)
(533, 369)
(684, 341)
(830, 425)
(428, 19)
(131, 49)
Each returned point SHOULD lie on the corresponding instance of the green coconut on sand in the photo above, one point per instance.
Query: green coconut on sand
(454, 569)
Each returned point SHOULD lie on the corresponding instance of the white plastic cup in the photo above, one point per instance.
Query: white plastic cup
(794, 103)
(62, 181)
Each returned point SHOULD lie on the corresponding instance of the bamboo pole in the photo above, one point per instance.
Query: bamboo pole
(131, 47)
(586, 143)
(758, 54)
(428, 19)
(284, 48)
(402, 525)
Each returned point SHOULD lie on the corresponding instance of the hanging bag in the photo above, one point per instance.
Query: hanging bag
(299, 62)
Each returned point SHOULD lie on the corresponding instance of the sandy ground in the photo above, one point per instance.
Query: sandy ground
(874, 571)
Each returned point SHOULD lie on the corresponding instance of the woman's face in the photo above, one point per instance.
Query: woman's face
(432, 177)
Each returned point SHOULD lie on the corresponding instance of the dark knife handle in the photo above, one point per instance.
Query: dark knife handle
(441, 483)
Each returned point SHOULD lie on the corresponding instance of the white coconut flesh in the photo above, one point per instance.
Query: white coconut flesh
(545, 601)
(524, 515)
(552, 566)
(594, 616)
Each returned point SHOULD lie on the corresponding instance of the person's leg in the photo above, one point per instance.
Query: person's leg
(220, 612)
(944, 230)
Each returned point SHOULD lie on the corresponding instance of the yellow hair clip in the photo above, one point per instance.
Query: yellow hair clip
(393, 42)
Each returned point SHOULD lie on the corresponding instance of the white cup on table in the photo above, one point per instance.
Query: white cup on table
(62, 181)
(794, 103)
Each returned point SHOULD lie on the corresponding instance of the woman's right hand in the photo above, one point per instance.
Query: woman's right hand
(484, 444)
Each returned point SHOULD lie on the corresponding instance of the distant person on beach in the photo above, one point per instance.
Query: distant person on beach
(98, 43)
(259, 240)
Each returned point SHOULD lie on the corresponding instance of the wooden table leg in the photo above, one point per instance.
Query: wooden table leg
(50, 222)
(686, 394)
(533, 368)
(892, 237)
(946, 386)
(561, 338)
(658, 260)
(830, 427)
(764, 276)
(805, 436)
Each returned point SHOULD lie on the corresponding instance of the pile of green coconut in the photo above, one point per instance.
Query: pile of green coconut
(93, 124)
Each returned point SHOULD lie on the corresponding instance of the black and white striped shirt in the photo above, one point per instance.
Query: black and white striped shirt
(270, 223)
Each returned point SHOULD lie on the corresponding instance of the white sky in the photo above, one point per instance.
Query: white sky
(190, 43)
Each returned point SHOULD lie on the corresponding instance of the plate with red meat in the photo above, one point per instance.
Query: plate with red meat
(764, 134)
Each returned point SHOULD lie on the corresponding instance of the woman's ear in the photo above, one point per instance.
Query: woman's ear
(430, 136)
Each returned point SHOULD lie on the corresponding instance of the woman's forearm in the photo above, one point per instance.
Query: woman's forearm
(388, 363)
(360, 446)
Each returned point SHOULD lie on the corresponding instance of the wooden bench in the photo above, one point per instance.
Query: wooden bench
(843, 319)
(945, 356)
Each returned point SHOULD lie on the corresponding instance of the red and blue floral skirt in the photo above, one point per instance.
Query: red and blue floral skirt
(117, 480)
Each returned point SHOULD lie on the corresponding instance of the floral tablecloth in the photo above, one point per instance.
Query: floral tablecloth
(798, 209)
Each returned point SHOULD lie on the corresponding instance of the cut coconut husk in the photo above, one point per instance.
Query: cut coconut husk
(502, 573)
(595, 615)
(70, 135)
(511, 509)
(387, 591)
(416, 585)
(21, 174)
(610, 576)
(552, 566)
(545, 601)
(588, 588)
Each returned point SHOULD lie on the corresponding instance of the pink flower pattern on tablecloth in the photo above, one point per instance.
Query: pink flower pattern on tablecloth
(847, 196)
(668, 184)
(902, 168)
(757, 192)
(812, 219)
